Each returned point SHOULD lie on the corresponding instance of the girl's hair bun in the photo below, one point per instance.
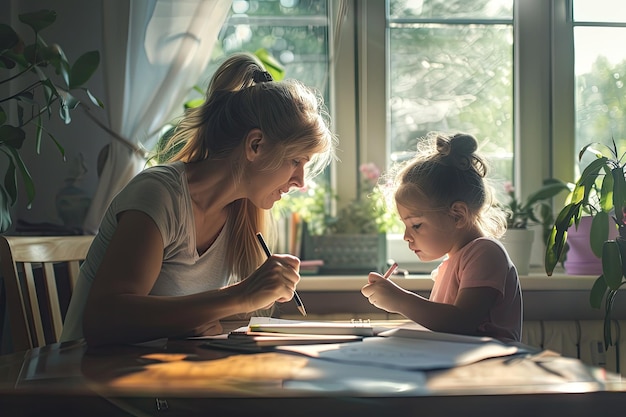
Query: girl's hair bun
(457, 150)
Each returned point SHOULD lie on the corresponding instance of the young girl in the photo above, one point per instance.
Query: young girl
(447, 208)
(177, 249)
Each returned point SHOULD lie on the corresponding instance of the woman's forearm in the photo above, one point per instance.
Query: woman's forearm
(130, 318)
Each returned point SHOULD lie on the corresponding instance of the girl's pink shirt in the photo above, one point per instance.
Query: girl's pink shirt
(484, 262)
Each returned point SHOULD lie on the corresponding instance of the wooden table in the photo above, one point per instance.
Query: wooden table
(183, 378)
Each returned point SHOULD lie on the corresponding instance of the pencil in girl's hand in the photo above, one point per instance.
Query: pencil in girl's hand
(267, 251)
(391, 270)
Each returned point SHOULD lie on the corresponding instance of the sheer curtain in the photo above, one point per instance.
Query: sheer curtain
(153, 53)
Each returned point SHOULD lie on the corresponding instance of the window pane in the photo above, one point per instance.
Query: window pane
(293, 31)
(599, 11)
(453, 78)
(600, 91)
(451, 9)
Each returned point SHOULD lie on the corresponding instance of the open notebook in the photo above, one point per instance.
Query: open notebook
(355, 327)
(408, 347)
(270, 332)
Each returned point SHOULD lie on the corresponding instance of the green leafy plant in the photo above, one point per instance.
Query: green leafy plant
(312, 204)
(535, 209)
(600, 192)
(367, 214)
(45, 80)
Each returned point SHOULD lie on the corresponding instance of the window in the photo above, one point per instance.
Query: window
(293, 31)
(534, 80)
(526, 82)
(450, 70)
(537, 111)
(599, 30)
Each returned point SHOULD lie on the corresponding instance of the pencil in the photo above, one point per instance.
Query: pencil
(267, 251)
(391, 270)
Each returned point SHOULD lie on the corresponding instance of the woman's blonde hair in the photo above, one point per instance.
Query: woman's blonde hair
(242, 96)
(445, 170)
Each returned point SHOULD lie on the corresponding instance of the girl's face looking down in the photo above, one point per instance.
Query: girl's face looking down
(429, 233)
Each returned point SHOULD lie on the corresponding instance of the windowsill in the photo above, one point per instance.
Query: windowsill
(559, 297)
(535, 281)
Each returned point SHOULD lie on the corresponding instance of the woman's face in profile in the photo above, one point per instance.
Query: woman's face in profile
(267, 187)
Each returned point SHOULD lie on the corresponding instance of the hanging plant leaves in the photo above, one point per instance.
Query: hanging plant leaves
(599, 232)
(612, 264)
(8, 37)
(38, 20)
(597, 292)
(84, 68)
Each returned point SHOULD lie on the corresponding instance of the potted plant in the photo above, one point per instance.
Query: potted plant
(45, 82)
(534, 210)
(352, 241)
(367, 214)
(601, 192)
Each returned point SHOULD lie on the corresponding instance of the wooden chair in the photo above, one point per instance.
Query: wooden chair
(39, 274)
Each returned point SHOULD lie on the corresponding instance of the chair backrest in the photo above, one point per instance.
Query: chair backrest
(36, 270)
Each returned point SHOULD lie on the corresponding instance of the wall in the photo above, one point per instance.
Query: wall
(77, 30)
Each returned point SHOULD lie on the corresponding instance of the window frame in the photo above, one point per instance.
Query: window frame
(544, 128)
(542, 71)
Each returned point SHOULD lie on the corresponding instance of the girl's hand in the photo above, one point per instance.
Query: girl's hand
(274, 281)
(382, 293)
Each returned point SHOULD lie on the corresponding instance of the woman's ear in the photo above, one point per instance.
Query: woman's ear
(254, 142)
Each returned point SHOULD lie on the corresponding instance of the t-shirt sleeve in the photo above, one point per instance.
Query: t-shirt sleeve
(485, 264)
(154, 196)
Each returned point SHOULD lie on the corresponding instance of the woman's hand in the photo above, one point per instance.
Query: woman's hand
(274, 281)
(382, 293)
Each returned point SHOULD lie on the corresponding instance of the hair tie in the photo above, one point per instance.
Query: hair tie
(261, 76)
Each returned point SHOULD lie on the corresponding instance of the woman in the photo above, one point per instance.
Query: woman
(177, 248)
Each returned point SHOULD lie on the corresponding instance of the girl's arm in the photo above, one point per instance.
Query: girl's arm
(463, 317)
(119, 309)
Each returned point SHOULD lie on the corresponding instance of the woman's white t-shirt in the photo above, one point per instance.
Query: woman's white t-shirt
(162, 193)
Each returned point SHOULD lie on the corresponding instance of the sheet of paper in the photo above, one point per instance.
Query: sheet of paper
(406, 353)
(326, 376)
(420, 332)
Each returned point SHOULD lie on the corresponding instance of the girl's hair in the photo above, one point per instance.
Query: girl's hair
(445, 170)
(242, 96)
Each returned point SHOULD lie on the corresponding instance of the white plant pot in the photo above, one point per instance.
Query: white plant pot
(519, 243)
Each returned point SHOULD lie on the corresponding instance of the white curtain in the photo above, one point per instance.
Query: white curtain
(154, 52)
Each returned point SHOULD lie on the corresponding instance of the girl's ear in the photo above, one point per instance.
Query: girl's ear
(460, 213)
(254, 142)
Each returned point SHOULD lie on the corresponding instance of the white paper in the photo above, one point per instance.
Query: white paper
(420, 332)
(326, 376)
(406, 353)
